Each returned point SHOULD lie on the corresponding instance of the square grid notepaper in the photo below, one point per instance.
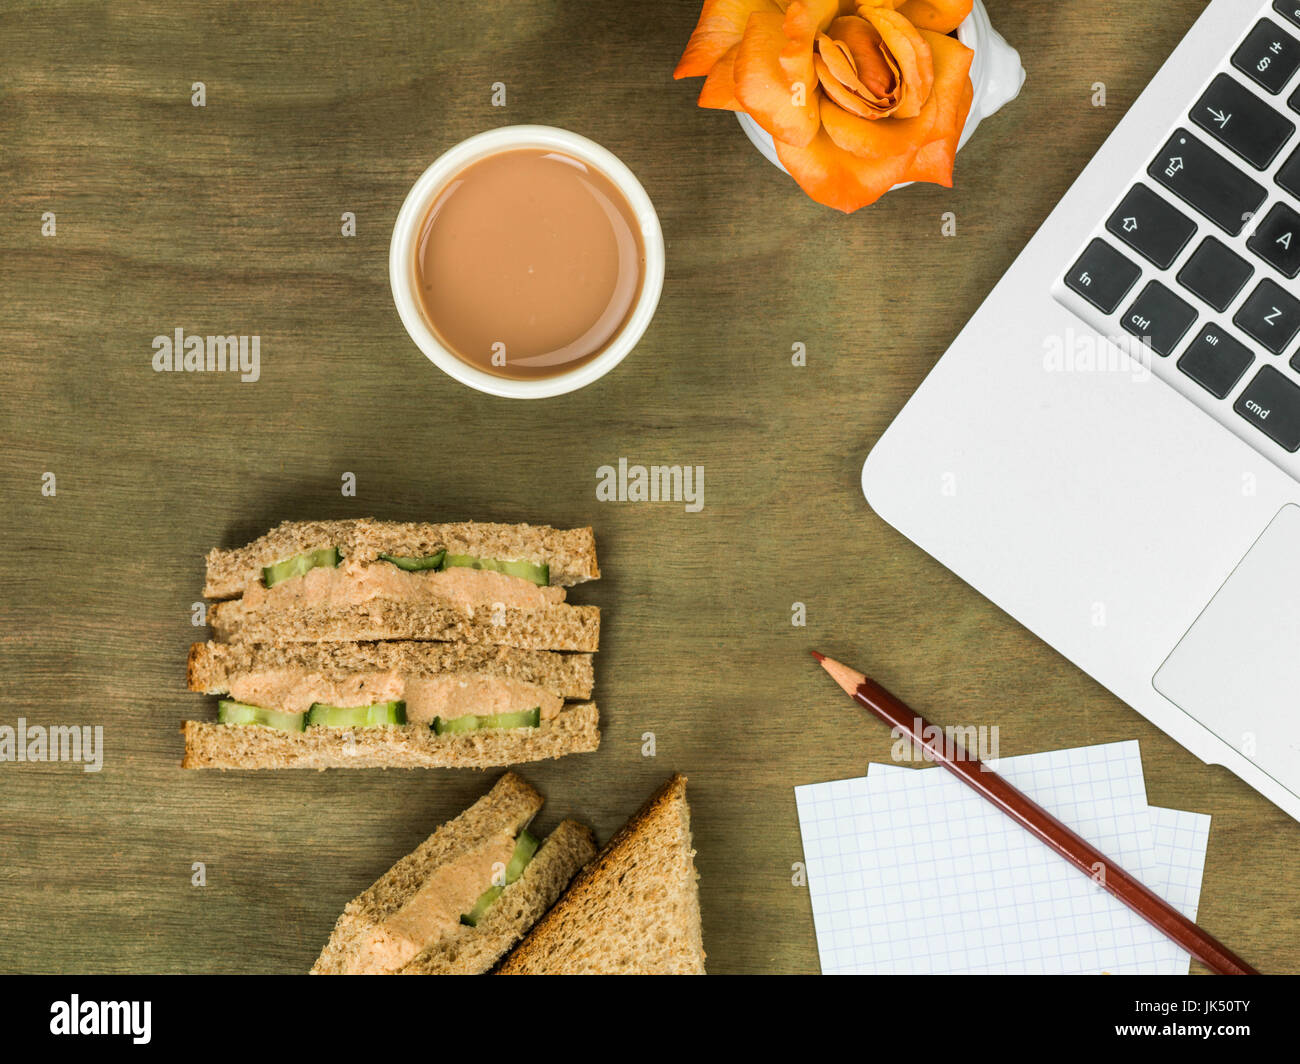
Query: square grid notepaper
(912, 872)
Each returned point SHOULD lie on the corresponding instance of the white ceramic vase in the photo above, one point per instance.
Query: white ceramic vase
(996, 76)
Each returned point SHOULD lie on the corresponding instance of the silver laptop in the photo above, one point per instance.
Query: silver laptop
(1109, 450)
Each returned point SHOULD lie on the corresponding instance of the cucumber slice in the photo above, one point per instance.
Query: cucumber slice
(527, 718)
(326, 557)
(229, 712)
(481, 906)
(526, 845)
(538, 574)
(357, 716)
(415, 565)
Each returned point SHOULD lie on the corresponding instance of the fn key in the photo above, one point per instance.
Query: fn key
(1102, 276)
(1272, 404)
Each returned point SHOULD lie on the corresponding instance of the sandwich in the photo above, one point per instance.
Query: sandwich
(634, 910)
(358, 644)
(359, 580)
(399, 704)
(464, 897)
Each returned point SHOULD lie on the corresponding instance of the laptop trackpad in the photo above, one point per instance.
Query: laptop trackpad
(1237, 670)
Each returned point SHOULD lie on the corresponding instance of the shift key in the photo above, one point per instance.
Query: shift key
(1271, 403)
(1202, 177)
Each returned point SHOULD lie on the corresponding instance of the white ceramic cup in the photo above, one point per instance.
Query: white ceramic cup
(406, 235)
(995, 73)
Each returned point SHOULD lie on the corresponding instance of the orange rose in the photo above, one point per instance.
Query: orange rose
(858, 95)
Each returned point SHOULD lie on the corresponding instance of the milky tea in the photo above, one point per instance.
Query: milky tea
(528, 264)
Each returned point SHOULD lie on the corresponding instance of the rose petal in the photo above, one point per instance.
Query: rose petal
(720, 86)
(838, 77)
(721, 25)
(940, 16)
(863, 43)
(904, 43)
(951, 99)
(838, 178)
(879, 138)
(935, 162)
(785, 107)
(854, 103)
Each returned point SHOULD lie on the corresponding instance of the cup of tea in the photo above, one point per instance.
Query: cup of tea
(526, 262)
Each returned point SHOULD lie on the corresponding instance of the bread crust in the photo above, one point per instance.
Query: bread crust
(509, 806)
(570, 553)
(239, 746)
(570, 846)
(212, 666)
(556, 627)
(601, 903)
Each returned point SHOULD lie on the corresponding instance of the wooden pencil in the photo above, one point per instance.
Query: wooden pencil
(1037, 820)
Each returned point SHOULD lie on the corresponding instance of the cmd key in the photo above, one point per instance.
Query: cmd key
(1271, 402)
(1241, 121)
(1203, 178)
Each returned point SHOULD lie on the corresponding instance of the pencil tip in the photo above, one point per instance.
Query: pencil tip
(820, 657)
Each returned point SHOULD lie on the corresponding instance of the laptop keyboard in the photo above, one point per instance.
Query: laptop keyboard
(1199, 257)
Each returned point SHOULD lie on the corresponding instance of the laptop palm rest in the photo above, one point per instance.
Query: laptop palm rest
(1237, 670)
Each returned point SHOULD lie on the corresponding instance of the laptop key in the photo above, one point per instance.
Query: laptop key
(1272, 404)
(1203, 178)
(1158, 318)
(1277, 240)
(1271, 315)
(1288, 174)
(1289, 10)
(1269, 56)
(1240, 120)
(1215, 273)
(1216, 361)
(1102, 276)
(1150, 226)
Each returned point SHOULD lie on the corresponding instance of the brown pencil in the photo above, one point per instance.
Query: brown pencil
(1031, 816)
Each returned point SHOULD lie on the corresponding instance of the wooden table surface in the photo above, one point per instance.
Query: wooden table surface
(227, 218)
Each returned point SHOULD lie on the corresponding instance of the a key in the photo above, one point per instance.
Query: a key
(1203, 178)
(1158, 318)
(1268, 56)
(1236, 117)
(1215, 273)
(1277, 240)
(1271, 403)
(1216, 361)
(1150, 226)
(1270, 315)
(1102, 276)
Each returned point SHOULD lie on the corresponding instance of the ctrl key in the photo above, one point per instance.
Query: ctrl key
(1102, 276)
(1271, 403)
